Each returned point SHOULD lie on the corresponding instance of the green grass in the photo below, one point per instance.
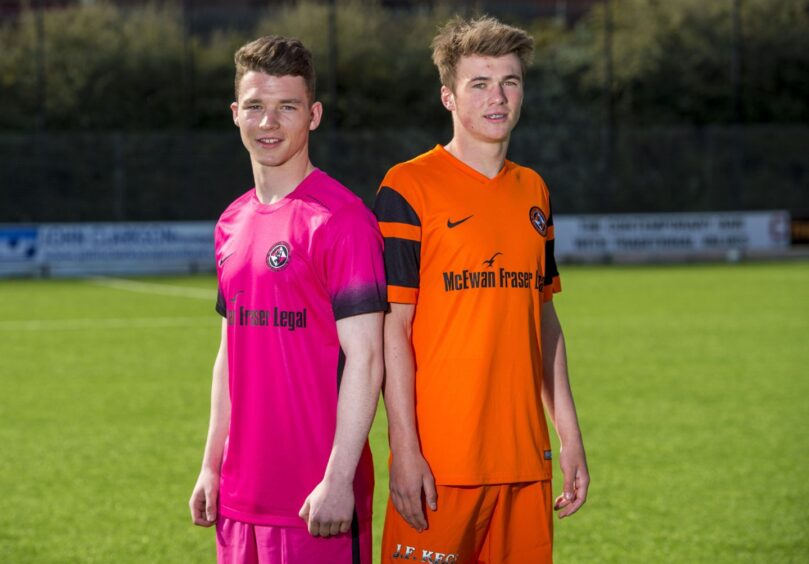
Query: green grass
(691, 384)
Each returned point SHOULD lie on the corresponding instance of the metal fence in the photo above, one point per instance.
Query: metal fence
(66, 176)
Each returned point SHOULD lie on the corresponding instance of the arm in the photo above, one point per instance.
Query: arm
(203, 499)
(328, 510)
(558, 400)
(409, 473)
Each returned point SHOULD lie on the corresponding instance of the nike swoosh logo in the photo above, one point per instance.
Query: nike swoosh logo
(451, 224)
(223, 259)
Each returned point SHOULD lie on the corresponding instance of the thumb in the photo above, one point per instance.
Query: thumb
(430, 495)
(210, 505)
(304, 512)
(570, 479)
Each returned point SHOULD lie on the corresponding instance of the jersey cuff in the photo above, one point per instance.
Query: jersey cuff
(369, 306)
(402, 294)
(550, 289)
(221, 305)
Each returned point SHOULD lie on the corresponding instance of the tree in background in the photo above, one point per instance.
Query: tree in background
(139, 67)
(672, 60)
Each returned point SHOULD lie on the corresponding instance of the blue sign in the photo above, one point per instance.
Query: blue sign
(18, 244)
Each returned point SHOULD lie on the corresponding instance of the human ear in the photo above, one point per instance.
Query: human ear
(448, 98)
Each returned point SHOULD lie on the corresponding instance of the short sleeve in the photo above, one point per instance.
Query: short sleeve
(552, 283)
(352, 264)
(401, 227)
(221, 306)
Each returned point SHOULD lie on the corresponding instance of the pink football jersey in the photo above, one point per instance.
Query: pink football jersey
(287, 271)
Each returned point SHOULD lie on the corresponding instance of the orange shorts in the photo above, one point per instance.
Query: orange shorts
(493, 524)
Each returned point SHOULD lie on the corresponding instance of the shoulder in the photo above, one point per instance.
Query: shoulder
(327, 194)
(228, 222)
(406, 184)
(236, 206)
(337, 205)
(416, 168)
(528, 176)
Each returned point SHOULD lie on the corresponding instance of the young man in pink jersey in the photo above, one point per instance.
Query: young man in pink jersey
(287, 474)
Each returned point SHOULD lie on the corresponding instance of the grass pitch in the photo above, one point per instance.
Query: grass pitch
(691, 384)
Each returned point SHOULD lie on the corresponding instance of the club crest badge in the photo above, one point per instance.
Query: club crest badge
(538, 220)
(278, 256)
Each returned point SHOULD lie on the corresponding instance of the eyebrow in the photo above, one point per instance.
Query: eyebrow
(287, 101)
(484, 78)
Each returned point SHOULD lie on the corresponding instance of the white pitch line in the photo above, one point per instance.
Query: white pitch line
(105, 323)
(153, 288)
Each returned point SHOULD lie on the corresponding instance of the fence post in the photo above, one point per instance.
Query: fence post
(119, 176)
(736, 101)
(609, 114)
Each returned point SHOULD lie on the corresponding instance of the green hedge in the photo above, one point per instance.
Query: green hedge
(106, 67)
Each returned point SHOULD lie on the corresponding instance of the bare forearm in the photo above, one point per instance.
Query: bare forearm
(220, 411)
(400, 369)
(356, 406)
(361, 340)
(556, 393)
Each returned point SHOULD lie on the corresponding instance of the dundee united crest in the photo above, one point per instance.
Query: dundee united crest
(278, 257)
(538, 220)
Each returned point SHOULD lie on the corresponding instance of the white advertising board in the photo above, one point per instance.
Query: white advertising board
(650, 236)
(76, 249)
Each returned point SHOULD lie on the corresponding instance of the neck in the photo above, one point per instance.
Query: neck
(486, 158)
(274, 183)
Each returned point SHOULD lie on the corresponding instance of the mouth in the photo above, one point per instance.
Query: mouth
(268, 141)
(496, 117)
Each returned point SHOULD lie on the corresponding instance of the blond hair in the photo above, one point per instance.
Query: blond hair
(276, 56)
(484, 36)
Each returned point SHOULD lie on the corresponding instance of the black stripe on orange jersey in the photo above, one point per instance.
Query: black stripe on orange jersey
(391, 207)
(402, 262)
(551, 270)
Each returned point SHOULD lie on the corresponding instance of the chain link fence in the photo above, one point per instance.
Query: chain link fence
(194, 175)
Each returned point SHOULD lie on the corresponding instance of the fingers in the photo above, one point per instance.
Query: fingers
(560, 502)
(210, 505)
(430, 495)
(569, 486)
(572, 500)
(407, 502)
(304, 514)
(328, 528)
(199, 508)
(322, 527)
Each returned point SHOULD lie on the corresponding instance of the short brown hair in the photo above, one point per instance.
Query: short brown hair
(276, 56)
(484, 36)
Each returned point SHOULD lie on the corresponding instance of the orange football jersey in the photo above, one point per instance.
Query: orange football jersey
(475, 256)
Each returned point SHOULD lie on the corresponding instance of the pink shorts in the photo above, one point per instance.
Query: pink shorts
(245, 543)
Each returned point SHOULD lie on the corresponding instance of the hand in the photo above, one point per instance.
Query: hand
(577, 479)
(410, 475)
(329, 509)
(203, 498)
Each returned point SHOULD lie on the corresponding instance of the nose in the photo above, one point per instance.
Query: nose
(269, 120)
(498, 94)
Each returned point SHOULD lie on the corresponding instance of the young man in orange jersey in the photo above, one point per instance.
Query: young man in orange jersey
(473, 346)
